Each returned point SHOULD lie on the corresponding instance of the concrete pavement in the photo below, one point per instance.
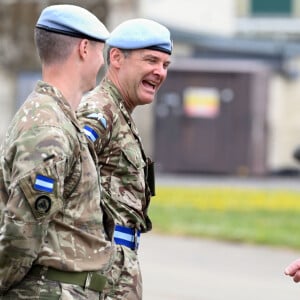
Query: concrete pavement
(178, 268)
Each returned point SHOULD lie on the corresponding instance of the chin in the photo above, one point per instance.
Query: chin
(146, 102)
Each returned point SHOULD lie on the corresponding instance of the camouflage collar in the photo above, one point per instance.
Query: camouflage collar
(117, 98)
(43, 87)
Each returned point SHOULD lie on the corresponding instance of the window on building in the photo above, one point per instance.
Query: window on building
(271, 7)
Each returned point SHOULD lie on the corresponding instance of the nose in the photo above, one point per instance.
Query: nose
(160, 70)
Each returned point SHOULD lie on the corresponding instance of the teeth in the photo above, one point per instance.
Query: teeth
(152, 84)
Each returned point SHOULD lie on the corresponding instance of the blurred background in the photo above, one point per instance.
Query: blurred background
(231, 102)
(229, 108)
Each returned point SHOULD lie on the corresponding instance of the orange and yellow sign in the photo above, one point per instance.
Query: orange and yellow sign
(201, 102)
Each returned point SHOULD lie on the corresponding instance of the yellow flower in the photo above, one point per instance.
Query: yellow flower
(228, 199)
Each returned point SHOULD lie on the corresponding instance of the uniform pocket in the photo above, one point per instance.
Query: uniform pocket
(127, 182)
(134, 157)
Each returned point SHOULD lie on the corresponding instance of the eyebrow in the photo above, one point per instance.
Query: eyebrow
(147, 56)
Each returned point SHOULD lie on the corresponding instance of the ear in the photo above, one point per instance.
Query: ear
(83, 48)
(116, 57)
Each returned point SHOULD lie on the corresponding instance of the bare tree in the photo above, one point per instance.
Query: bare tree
(18, 18)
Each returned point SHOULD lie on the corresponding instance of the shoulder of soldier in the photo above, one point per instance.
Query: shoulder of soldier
(40, 109)
(98, 98)
(98, 103)
(40, 118)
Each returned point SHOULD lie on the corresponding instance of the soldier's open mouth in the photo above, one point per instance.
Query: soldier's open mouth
(148, 84)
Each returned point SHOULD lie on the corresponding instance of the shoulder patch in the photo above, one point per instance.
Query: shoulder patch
(90, 133)
(42, 204)
(99, 117)
(44, 184)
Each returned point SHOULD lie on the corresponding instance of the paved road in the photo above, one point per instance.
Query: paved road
(196, 269)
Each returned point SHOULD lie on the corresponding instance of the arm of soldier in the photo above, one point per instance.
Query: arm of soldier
(293, 270)
(96, 125)
(34, 178)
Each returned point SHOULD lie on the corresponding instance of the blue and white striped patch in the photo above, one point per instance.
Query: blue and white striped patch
(127, 237)
(44, 184)
(90, 133)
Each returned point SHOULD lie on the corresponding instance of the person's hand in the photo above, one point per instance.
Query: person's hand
(293, 270)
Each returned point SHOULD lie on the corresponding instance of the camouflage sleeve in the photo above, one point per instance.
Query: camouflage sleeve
(96, 125)
(33, 171)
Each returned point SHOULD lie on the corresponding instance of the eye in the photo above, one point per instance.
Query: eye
(151, 60)
(166, 65)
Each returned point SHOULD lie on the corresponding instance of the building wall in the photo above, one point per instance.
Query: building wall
(284, 123)
(121, 10)
(196, 15)
(7, 103)
(296, 6)
(267, 26)
(242, 7)
(284, 104)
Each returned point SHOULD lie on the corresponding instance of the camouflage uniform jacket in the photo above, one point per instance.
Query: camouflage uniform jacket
(49, 192)
(109, 125)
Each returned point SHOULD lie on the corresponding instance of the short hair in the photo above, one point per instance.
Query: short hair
(53, 47)
(126, 53)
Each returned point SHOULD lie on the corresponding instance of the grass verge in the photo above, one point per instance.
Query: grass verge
(267, 217)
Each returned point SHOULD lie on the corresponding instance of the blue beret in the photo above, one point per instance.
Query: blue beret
(139, 34)
(72, 20)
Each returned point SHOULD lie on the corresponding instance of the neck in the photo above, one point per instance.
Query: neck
(112, 76)
(66, 82)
